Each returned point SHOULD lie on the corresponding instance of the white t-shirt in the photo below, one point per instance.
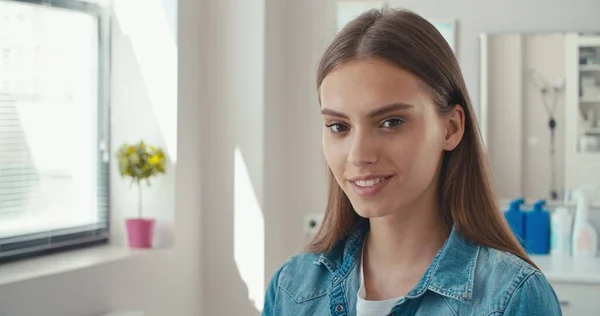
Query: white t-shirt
(371, 308)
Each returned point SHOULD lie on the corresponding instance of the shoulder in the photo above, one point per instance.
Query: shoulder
(496, 262)
(302, 277)
(513, 286)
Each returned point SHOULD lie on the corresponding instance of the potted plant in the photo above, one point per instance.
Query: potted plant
(140, 162)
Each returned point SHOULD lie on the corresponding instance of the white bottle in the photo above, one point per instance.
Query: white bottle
(561, 232)
(585, 237)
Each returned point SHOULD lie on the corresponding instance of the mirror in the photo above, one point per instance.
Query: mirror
(540, 112)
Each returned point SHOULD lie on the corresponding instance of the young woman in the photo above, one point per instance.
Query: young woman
(412, 226)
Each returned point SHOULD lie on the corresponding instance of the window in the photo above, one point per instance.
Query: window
(53, 126)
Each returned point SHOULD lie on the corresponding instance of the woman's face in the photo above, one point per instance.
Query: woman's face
(383, 137)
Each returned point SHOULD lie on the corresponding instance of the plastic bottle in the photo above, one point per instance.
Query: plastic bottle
(561, 231)
(585, 237)
(516, 219)
(537, 228)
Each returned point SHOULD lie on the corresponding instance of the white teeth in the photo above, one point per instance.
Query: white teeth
(368, 183)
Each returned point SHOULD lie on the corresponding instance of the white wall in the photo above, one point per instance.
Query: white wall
(233, 118)
(505, 113)
(546, 54)
(276, 247)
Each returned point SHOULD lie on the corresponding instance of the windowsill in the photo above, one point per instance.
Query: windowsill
(63, 262)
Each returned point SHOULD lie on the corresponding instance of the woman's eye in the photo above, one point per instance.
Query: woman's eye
(392, 122)
(336, 128)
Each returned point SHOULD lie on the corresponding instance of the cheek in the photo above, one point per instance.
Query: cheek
(335, 155)
(429, 133)
(404, 153)
(419, 152)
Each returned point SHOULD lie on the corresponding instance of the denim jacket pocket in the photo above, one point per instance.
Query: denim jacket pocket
(303, 282)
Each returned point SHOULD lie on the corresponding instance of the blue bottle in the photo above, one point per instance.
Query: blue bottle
(516, 219)
(537, 227)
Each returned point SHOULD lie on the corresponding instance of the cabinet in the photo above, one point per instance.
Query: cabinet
(582, 99)
(578, 299)
(576, 282)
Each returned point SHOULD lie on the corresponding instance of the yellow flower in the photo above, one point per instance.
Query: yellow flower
(154, 160)
(140, 161)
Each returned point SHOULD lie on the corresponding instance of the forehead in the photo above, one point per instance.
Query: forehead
(366, 84)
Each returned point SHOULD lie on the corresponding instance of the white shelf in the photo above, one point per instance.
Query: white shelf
(588, 41)
(581, 166)
(588, 156)
(569, 269)
(589, 67)
(593, 131)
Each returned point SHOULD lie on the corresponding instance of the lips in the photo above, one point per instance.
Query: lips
(369, 186)
(369, 183)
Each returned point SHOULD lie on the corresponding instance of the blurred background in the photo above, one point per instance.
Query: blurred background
(222, 94)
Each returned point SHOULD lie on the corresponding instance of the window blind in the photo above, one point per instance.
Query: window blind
(54, 166)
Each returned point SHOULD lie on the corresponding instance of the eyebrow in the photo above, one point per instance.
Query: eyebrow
(375, 113)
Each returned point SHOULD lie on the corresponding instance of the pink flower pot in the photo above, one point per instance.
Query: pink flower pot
(140, 232)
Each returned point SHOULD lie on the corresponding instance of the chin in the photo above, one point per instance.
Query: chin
(371, 211)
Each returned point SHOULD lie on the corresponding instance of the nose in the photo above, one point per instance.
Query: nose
(363, 149)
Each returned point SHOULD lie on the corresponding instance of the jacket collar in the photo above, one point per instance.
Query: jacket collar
(451, 273)
(346, 253)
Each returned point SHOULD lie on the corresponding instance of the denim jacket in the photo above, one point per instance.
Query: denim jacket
(464, 278)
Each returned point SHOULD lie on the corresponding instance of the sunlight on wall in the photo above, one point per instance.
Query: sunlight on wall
(145, 23)
(249, 233)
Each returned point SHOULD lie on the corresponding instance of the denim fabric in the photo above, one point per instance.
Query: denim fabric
(464, 278)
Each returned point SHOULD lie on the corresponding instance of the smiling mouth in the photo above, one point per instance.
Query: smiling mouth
(369, 183)
(370, 187)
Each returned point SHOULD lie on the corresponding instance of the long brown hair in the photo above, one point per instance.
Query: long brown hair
(410, 42)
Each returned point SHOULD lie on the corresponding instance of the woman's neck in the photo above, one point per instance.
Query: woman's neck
(406, 240)
(399, 249)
